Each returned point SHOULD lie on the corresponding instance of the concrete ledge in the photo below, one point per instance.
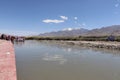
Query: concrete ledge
(7, 61)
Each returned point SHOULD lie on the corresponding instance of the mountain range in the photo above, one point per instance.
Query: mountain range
(104, 31)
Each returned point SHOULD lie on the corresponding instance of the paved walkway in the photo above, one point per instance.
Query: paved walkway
(7, 61)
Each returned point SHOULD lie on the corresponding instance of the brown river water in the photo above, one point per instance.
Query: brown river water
(42, 60)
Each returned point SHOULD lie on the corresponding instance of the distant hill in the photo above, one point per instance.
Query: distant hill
(67, 32)
(104, 31)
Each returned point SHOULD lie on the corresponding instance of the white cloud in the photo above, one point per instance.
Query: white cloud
(68, 29)
(64, 17)
(75, 18)
(53, 21)
(117, 5)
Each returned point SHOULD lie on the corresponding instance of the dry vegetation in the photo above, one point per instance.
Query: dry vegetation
(80, 38)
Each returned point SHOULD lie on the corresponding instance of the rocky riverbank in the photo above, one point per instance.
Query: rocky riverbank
(90, 44)
(7, 61)
(94, 44)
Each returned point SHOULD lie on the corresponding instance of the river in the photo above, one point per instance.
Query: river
(44, 60)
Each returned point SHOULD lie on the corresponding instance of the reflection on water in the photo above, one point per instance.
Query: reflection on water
(58, 58)
(45, 60)
(19, 43)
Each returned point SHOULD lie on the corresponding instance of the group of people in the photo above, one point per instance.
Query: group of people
(111, 38)
(12, 38)
(7, 37)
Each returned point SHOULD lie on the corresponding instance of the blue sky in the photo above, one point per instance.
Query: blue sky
(39, 16)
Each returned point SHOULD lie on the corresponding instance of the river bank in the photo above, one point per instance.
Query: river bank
(7, 61)
(92, 44)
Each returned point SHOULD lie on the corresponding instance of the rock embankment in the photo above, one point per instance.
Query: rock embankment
(95, 44)
(7, 61)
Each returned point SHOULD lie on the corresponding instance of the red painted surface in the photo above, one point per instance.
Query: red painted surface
(7, 61)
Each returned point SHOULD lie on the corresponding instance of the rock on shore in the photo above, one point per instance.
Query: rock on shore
(95, 44)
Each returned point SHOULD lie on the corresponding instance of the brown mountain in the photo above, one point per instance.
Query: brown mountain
(68, 33)
(104, 31)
